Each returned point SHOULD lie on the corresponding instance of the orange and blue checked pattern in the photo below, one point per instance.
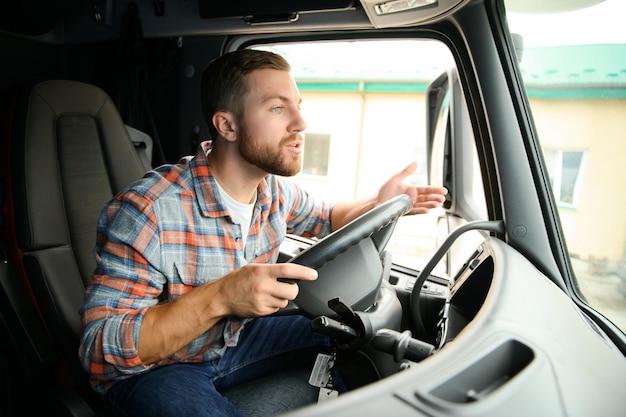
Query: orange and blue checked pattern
(165, 235)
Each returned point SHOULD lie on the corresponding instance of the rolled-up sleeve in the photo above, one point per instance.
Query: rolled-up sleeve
(305, 216)
(124, 285)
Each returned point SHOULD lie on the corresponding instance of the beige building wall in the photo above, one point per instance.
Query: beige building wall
(596, 226)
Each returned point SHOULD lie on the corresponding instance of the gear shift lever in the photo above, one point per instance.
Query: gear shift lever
(401, 345)
(352, 328)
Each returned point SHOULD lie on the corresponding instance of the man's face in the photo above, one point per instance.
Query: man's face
(270, 134)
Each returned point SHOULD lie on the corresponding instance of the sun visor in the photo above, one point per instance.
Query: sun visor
(211, 9)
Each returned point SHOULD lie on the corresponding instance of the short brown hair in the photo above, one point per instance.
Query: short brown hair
(224, 80)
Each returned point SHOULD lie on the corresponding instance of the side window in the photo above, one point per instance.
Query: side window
(367, 120)
(574, 70)
(566, 169)
(316, 155)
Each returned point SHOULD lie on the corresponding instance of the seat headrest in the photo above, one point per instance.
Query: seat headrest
(70, 153)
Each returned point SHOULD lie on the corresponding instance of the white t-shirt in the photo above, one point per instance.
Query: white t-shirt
(241, 213)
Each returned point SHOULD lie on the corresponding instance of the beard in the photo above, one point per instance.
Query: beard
(269, 159)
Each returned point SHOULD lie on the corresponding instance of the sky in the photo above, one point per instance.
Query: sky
(602, 23)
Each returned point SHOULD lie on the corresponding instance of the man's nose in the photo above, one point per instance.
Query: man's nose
(298, 124)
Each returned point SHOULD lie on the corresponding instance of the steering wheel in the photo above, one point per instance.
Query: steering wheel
(349, 262)
(494, 226)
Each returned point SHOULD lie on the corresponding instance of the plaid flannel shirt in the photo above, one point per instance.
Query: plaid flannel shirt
(165, 235)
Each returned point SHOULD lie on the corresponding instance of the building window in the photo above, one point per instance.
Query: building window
(565, 170)
(316, 152)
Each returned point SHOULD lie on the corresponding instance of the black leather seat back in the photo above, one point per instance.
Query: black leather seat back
(69, 153)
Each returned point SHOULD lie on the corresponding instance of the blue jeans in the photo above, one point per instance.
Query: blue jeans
(266, 345)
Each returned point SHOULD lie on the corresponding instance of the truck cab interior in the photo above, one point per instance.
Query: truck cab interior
(482, 308)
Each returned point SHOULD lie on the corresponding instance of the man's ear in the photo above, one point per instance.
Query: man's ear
(224, 123)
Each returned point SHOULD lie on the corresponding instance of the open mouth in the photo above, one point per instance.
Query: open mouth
(295, 147)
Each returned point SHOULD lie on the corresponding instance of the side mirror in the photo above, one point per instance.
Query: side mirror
(451, 147)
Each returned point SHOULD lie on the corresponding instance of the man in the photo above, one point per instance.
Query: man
(186, 268)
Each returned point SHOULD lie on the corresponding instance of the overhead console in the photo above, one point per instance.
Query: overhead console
(395, 13)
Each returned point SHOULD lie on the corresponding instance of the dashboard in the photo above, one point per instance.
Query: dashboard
(501, 352)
